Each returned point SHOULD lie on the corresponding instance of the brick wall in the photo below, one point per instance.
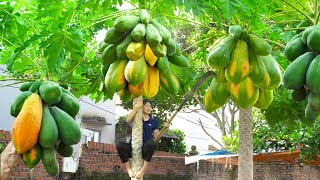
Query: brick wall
(100, 161)
(274, 170)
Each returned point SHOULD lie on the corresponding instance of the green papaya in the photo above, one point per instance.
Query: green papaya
(153, 36)
(163, 65)
(238, 68)
(49, 161)
(113, 36)
(35, 86)
(144, 16)
(179, 60)
(50, 92)
(109, 54)
(257, 70)
(171, 47)
(221, 78)
(169, 83)
(294, 76)
(258, 45)
(265, 99)
(245, 94)
(314, 101)
(235, 31)
(312, 78)
(295, 49)
(102, 46)
(216, 95)
(122, 47)
(48, 136)
(274, 72)
(164, 32)
(220, 55)
(160, 50)
(25, 86)
(138, 32)
(69, 130)
(126, 23)
(299, 95)
(65, 150)
(69, 104)
(18, 102)
(307, 31)
(313, 41)
(311, 114)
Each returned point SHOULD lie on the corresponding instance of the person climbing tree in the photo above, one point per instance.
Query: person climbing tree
(150, 131)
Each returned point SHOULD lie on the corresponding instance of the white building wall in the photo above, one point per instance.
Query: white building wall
(103, 109)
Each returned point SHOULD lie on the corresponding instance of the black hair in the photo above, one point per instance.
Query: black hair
(145, 101)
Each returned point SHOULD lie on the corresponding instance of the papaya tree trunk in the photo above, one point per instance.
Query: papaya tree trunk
(9, 158)
(137, 129)
(245, 159)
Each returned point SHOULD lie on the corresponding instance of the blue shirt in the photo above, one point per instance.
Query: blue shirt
(148, 128)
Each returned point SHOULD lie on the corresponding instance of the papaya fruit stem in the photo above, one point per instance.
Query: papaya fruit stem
(185, 99)
(254, 14)
(18, 79)
(276, 43)
(298, 28)
(198, 42)
(5, 85)
(298, 10)
(303, 7)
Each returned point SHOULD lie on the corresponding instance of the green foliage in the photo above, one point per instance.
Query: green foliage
(174, 145)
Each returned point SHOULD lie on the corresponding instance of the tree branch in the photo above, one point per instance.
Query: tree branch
(205, 131)
(185, 99)
(306, 15)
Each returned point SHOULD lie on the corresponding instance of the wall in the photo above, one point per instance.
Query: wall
(274, 170)
(7, 96)
(103, 109)
(100, 161)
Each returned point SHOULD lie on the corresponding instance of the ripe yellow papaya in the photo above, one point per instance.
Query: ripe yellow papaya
(151, 84)
(149, 55)
(27, 125)
(135, 50)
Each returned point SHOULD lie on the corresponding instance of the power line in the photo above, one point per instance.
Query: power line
(197, 138)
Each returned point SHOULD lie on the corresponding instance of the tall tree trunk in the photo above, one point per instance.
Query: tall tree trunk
(137, 129)
(245, 161)
(9, 158)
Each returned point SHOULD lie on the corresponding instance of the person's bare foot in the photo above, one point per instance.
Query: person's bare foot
(129, 170)
(140, 174)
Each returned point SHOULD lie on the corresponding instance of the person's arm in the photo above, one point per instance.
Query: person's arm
(134, 111)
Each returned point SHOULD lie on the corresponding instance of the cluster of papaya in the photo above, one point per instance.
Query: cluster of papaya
(246, 71)
(301, 76)
(44, 124)
(135, 57)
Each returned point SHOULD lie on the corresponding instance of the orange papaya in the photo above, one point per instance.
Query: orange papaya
(136, 90)
(26, 126)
